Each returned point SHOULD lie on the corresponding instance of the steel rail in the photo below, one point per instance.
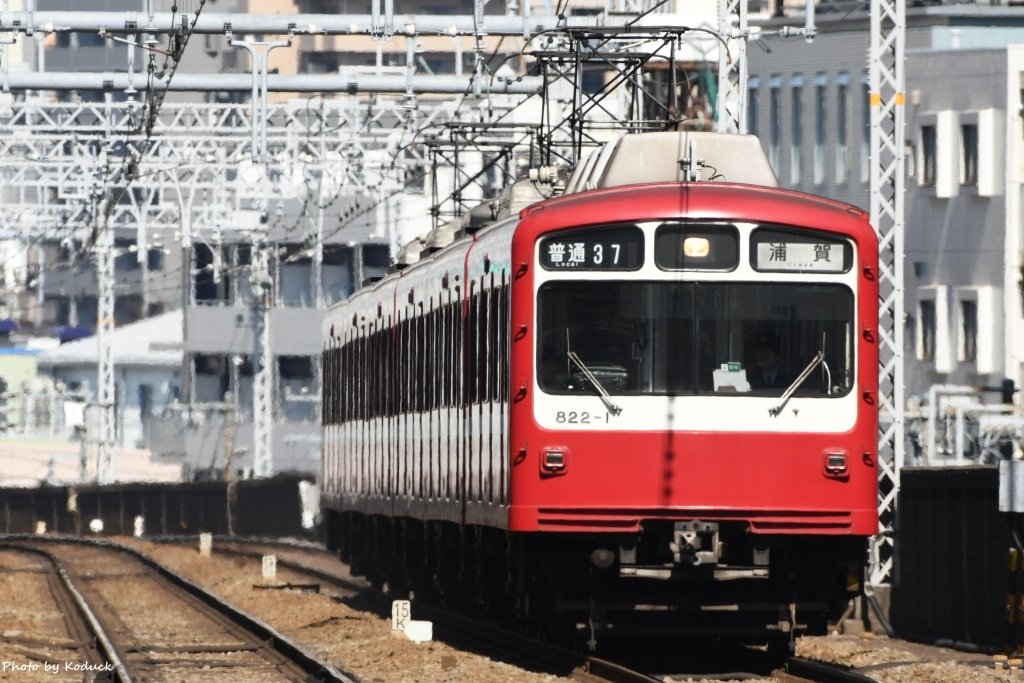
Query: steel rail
(587, 669)
(312, 666)
(824, 672)
(92, 622)
(584, 667)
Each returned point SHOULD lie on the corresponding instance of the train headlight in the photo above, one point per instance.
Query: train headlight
(696, 247)
(553, 460)
(835, 462)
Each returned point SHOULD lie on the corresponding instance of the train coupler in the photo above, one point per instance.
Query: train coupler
(695, 543)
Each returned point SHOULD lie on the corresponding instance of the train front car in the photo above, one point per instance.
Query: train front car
(693, 417)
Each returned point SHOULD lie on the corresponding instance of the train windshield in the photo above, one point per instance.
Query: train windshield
(673, 338)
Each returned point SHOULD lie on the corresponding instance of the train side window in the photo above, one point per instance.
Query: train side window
(333, 379)
(337, 381)
(483, 343)
(346, 377)
(399, 387)
(325, 396)
(372, 370)
(357, 377)
(469, 346)
(461, 357)
(433, 396)
(342, 381)
(506, 330)
(494, 362)
(430, 371)
(447, 350)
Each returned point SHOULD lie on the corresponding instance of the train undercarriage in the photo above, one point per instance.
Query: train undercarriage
(687, 577)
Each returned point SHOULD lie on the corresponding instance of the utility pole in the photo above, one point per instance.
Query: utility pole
(263, 379)
(262, 281)
(105, 390)
(104, 251)
(260, 107)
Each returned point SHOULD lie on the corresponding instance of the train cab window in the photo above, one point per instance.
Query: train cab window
(760, 338)
(602, 325)
(680, 338)
(697, 246)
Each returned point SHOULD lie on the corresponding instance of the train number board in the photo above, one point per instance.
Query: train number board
(618, 247)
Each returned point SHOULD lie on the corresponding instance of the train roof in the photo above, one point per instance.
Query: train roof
(666, 157)
(702, 200)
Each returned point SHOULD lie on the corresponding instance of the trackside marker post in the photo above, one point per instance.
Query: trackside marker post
(269, 568)
(401, 614)
(403, 623)
(205, 544)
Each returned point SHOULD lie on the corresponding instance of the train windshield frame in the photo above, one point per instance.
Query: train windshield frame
(658, 337)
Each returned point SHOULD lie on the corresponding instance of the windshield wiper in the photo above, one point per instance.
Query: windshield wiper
(788, 393)
(601, 391)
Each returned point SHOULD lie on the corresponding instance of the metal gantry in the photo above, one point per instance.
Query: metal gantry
(193, 173)
(732, 67)
(887, 98)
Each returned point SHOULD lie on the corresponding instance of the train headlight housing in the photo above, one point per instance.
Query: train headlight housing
(554, 460)
(835, 463)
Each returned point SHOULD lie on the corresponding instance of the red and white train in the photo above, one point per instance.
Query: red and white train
(647, 403)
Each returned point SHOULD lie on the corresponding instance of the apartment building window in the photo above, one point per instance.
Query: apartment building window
(968, 330)
(753, 87)
(376, 258)
(797, 129)
(155, 259)
(775, 122)
(820, 105)
(926, 330)
(125, 258)
(969, 154)
(336, 274)
(865, 129)
(926, 161)
(296, 383)
(295, 275)
(842, 143)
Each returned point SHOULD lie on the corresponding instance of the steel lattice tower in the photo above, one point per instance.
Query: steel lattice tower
(732, 66)
(885, 62)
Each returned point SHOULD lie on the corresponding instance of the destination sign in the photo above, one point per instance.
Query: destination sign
(821, 258)
(785, 251)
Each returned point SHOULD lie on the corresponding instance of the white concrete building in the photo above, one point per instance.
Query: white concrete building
(147, 366)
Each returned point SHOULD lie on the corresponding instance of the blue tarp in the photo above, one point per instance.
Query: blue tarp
(67, 333)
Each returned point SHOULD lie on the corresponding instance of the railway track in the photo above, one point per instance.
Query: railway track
(153, 624)
(465, 632)
(87, 646)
